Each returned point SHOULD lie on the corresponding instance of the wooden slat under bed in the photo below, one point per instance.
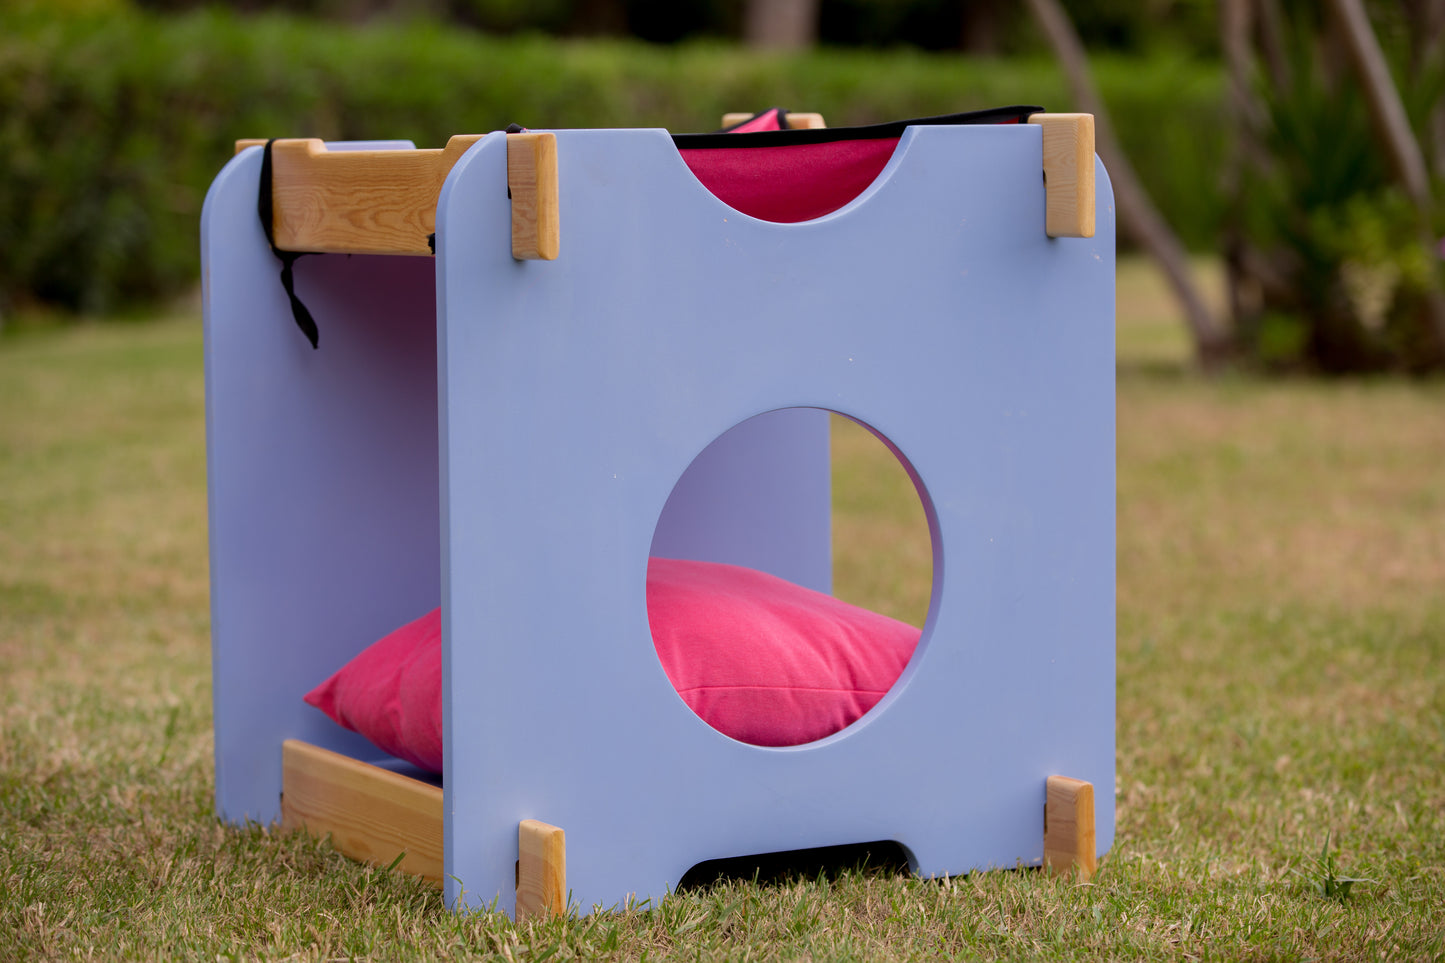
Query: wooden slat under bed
(370, 813)
(375, 815)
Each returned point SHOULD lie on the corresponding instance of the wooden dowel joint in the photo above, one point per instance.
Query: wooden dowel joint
(1069, 827)
(541, 870)
(1068, 173)
(532, 185)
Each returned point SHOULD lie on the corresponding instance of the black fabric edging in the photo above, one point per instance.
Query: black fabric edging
(304, 321)
(828, 135)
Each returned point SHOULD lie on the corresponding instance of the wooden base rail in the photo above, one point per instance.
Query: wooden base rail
(385, 201)
(374, 815)
(370, 814)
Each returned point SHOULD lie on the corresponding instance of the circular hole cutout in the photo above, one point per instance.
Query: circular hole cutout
(882, 552)
(790, 578)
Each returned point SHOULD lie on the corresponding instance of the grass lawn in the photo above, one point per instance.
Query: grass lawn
(1281, 561)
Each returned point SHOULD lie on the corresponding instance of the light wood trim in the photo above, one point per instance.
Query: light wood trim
(532, 185)
(1068, 173)
(358, 201)
(385, 201)
(370, 813)
(541, 870)
(805, 121)
(245, 142)
(1069, 827)
(795, 121)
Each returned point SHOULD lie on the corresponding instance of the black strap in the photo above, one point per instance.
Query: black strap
(827, 135)
(304, 321)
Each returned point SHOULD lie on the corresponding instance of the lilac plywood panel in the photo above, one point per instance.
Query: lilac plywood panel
(323, 477)
(760, 496)
(934, 309)
(323, 482)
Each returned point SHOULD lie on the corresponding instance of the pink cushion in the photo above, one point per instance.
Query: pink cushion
(392, 693)
(765, 661)
(783, 183)
(758, 658)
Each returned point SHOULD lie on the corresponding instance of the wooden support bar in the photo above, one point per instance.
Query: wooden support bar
(385, 201)
(370, 813)
(1069, 827)
(795, 121)
(532, 185)
(1068, 173)
(541, 870)
(805, 121)
(358, 202)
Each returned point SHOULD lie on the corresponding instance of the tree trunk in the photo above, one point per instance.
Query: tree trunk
(981, 27)
(1137, 214)
(1236, 23)
(1386, 109)
(1426, 20)
(598, 18)
(1392, 126)
(1236, 26)
(781, 24)
(1271, 33)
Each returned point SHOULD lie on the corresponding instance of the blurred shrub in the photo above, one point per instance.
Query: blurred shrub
(112, 124)
(1324, 250)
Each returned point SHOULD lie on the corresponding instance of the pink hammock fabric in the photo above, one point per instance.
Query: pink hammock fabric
(789, 176)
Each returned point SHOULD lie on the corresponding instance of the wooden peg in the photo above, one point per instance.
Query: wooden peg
(541, 870)
(1068, 173)
(1069, 826)
(532, 184)
(805, 121)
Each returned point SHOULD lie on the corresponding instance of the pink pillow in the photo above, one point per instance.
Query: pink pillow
(392, 693)
(757, 658)
(765, 661)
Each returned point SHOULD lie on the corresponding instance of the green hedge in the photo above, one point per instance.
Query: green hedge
(112, 126)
